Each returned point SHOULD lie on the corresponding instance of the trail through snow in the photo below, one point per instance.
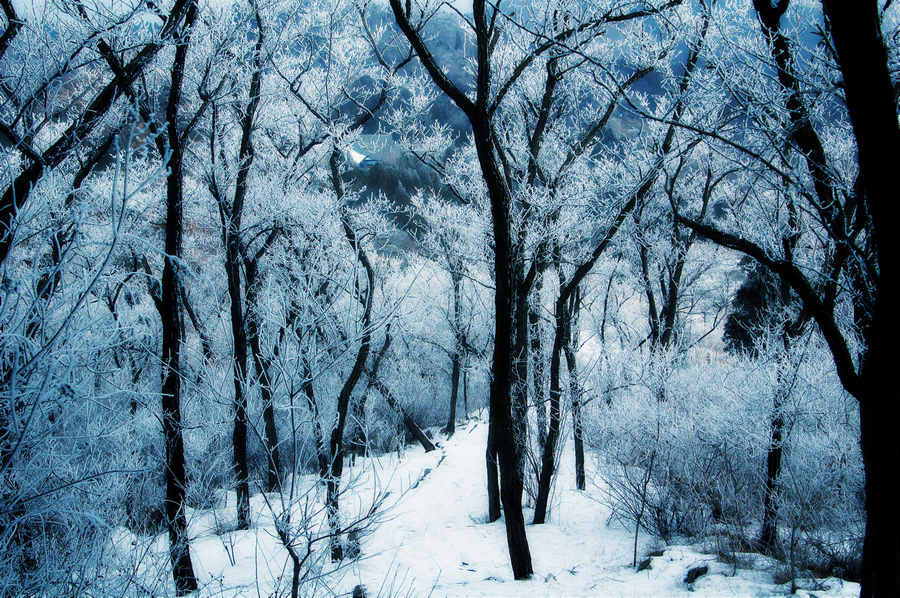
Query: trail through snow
(438, 536)
(434, 542)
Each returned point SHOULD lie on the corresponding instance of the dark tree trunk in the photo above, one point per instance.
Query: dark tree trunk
(856, 29)
(537, 360)
(575, 388)
(336, 443)
(322, 458)
(507, 441)
(408, 421)
(881, 548)
(239, 378)
(454, 393)
(205, 341)
(768, 537)
(231, 216)
(457, 355)
(548, 457)
(465, 390)
(493, 479)
(392, 401)
(263, 366)
(332, 509)
(504, 441)
(172, 331)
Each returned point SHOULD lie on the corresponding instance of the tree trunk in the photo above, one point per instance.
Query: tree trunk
(172, 332)
(263, 366)
(336, 443)
(493, 480)
(457, 354)
(881, 548)
(548, 457)
(537, 359)
(768, 537)
(239, 378)
(575, 388)
(856, 29)
(465, 390)
(231, 216)
(332, 510)
(408, 421)
(503, 431)
(454, 392)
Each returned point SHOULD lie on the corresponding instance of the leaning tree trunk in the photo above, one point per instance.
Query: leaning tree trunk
(411, 426)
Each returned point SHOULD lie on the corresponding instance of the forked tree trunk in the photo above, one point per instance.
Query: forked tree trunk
(505, 446)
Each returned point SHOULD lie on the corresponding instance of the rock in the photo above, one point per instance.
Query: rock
(695, 573)
(645, 564)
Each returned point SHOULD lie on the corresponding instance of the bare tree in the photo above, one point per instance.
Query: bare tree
(854, 222)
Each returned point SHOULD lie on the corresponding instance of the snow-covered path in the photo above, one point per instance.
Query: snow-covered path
(438, 541)
(433, 542)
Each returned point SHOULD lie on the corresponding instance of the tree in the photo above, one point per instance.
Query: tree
(568, 298)
(853, 221)
(450, 238)
(17, 192)
(336, 107)
(237, 254)
(173, 326)
(506, 435)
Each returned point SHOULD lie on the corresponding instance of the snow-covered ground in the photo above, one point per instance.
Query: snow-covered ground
(432, 541)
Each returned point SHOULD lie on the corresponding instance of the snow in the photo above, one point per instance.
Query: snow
(432, 540)
(355, 156)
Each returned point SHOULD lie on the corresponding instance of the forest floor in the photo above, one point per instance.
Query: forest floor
(431, 540)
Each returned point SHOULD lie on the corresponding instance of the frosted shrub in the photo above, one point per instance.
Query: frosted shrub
(682, 453)
(681, 448)
(822, 486)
